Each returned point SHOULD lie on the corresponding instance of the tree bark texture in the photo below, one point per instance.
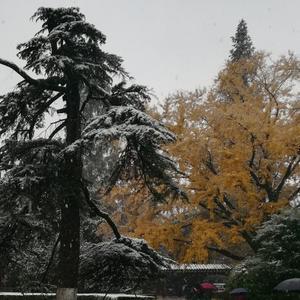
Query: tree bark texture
(66, 293)
(70, 207)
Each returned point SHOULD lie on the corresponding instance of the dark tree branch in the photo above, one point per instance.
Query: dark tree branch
(42, 109)
(226, 215)
(100, 213)
(274, 194)
(251, 161)
(43, 83)
(273, 96)
(57, 129)
(51, 259)
(99, 89)
(249, 239)
(218, 212)
(23, 74)
(228, 201)
(182, 241)
(266, 186)
(294, 194)
(22, 148)
(62, 110)
(209, 163)
(85, 102)
(115, 172)
(223, 208)
(147, 183)
(256, 179)
(291, 167)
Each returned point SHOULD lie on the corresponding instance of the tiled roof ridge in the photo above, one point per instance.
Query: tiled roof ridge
(198, 267)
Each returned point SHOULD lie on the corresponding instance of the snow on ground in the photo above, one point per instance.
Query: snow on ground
(95, 295)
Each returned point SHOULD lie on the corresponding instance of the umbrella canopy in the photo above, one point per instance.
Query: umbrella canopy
(207, 286)
(289, 285)
(238, 291)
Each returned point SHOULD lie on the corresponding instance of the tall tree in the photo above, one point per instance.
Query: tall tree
(242, 44)
(241, 157)
(74, 71)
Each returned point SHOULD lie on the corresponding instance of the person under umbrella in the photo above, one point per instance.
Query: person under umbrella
(289, 286)
(239, 294)
(206, 289)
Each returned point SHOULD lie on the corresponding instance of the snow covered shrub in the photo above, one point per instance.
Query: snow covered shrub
(277, 258)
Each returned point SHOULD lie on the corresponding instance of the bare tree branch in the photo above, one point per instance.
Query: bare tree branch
(294, 194)
(44, 83)
(57, 129)
(291, 167)
(100, 213)
(41, 110)
(182, 241)
(51, 259)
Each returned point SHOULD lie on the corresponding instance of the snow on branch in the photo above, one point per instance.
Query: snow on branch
(122, 121)
(119, 264)
(43, 83)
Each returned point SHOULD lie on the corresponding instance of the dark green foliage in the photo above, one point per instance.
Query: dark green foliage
(29, 209)
(124, 264)
(139, 156)
(43, 190)
(242, 44)
(277, 258)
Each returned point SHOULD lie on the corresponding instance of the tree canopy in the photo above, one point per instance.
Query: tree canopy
(43, 178)
(241, 161)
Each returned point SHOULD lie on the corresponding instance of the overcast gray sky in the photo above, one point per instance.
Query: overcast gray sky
(166, 44)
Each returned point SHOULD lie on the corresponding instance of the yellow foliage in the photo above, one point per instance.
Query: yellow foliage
(239, 145)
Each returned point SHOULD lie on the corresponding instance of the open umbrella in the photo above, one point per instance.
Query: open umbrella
(238, 291)
(207, 286)
(289, 285)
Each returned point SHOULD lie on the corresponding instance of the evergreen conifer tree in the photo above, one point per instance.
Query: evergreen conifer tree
(72, 69)
(242, 44)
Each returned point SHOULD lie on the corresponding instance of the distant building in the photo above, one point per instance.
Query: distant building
(180, 279)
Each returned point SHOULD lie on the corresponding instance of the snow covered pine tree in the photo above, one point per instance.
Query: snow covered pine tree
(73, 70)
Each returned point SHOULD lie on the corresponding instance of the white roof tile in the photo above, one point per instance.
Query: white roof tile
(198, 267)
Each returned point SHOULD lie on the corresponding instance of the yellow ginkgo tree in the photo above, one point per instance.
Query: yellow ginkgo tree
(238, 145)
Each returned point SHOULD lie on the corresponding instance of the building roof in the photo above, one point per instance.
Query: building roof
(198, 268)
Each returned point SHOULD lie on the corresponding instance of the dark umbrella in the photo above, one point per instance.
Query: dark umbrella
(289, 285)
(238, 291)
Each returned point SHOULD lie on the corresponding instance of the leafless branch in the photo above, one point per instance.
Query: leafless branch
(44, 83)
(57, 129)
(51, 259)
(100, 213)
(291, 167)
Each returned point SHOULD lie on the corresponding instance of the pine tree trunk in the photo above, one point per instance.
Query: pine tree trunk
(70, 215)
(66, 293)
